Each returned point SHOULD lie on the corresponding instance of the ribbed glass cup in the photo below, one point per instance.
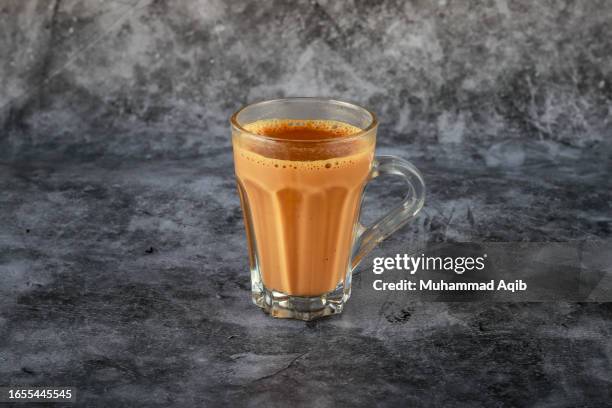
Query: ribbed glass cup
(301, 201)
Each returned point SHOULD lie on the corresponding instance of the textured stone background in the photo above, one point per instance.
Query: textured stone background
(123, 266)
(160, 78)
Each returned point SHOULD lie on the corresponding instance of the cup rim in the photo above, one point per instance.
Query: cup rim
(372, 125)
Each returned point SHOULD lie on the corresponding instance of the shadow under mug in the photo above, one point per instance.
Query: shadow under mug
(301, 201)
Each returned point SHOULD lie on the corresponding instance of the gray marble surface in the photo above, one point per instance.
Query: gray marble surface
(129, 280)
(123, 265)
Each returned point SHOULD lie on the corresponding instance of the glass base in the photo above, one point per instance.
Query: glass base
(282, 305)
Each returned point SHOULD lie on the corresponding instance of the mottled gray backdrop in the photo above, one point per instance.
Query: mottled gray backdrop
(136, 78)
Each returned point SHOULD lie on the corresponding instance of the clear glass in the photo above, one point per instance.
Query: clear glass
(301, 201)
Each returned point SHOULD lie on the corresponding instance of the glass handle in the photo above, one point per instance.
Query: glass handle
(366, 238)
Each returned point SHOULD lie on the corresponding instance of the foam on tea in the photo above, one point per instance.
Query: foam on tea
(302, 130)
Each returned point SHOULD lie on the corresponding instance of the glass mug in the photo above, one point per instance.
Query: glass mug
(301, 198)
